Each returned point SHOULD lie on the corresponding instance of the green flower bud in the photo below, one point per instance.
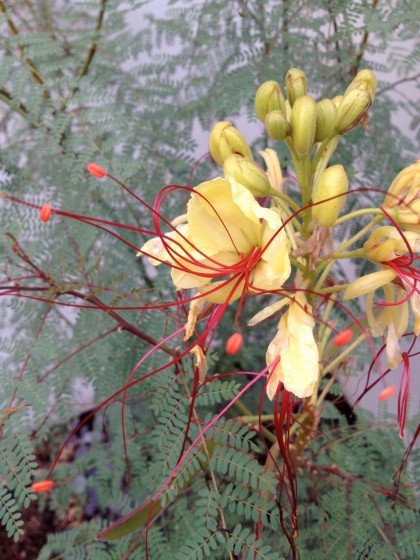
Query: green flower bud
(276, 125)
(352, 109)
(303, 123)
(248, 174)
(269, 98)
(326, 119)
(296, 85)
(364, 81)
(225, 140)
(332, 182)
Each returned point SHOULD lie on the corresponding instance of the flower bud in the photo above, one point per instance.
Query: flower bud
(296, 85)
(337, 100)
(248, 174)
(333, 182)
(326, 119)
(303, 123)
(269, 98)
(226, 140)
(352, 109)
(276, 125)
(364, 81)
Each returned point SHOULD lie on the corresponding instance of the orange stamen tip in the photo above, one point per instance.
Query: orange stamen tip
(343, 337)
(387, 393)
(96, 170)
(42, 486)
(234, 343)
(45, 212)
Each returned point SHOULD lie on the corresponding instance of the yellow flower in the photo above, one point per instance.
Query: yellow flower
(403, 198)
(225, 244)
(294, 343)
(399, 280)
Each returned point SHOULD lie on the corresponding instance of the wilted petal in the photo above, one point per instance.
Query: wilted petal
(196, 307)
(393, 349)
(298, 368)
(201, 362)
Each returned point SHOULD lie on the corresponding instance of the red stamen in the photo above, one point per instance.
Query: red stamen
(42, 486)
(96, 170)
(45, 212)
(387, 393)
(234, 343)
(404, 393)
(343, 337)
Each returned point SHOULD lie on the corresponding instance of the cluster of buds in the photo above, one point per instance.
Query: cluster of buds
(305, 124)
(305, 121)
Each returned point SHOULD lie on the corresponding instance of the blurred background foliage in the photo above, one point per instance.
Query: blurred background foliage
(135, 86)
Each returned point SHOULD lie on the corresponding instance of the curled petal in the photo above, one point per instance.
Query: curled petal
(268, 311)
(196, 307)
(369, 283)
(201, 362)
(273, 168)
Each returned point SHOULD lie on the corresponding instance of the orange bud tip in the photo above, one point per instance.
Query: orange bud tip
(387, 393)
(45, 212)
(343, 337)
(96, 170)
(42, 486)
(234, 343)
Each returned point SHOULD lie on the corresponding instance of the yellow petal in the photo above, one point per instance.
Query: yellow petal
(248, 206)
(267, 312)
(298, 368)
(369, 283)
(273, 168)
(393, 350)
(222, 291)
(216, 223)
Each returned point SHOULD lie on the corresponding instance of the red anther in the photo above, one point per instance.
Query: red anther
(387, 393)
(45, 212)
(234, 343)
(343, 337)
(96, 170)
(42, 486)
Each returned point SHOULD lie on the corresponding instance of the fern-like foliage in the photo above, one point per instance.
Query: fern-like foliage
(79, 82)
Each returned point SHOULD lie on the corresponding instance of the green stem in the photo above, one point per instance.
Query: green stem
(325, 267)
(322, 157)
(356, 213)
